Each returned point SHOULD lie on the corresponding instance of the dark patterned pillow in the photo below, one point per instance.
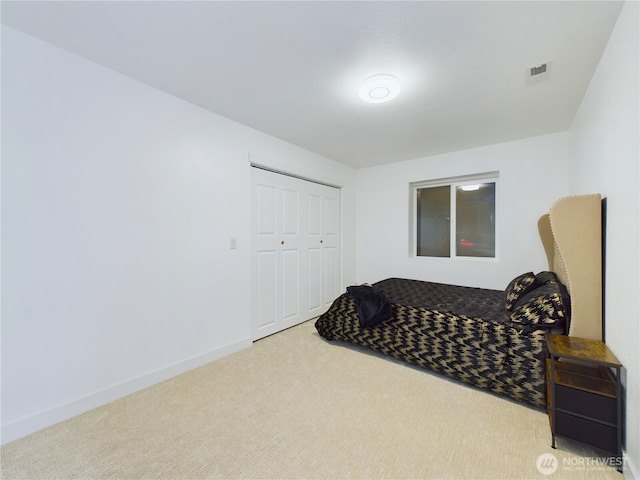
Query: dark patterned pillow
(547, 306)
(542, 278)
(518, 287)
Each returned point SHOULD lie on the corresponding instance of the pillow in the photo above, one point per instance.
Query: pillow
(547, 306)
(518, 287)
(542, 278)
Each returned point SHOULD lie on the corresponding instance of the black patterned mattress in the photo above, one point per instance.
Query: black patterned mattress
(491, 339)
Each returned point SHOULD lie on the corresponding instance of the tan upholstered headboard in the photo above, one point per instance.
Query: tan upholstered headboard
(572, 237)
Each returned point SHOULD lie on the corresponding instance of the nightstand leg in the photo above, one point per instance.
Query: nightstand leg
(619, 412)
(552, 381)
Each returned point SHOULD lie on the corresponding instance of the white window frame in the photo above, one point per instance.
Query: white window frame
(453, 183)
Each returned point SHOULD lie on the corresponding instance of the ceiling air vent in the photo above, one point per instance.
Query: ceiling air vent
(538, 69)
(538, 73)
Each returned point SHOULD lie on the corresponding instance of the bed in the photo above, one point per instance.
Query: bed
(491, 339)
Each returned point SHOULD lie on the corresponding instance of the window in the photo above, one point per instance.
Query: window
(455, 217)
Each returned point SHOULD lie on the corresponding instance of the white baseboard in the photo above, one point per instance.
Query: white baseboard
(630, 471)
(33, 423)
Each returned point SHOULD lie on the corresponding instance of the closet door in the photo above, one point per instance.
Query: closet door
(277, 263)
(323, 247)
(332, 275)
(295, 253)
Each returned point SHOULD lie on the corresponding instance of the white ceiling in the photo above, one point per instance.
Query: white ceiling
(292, 69)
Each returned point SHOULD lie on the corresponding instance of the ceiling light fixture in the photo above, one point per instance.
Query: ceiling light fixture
(380, 88)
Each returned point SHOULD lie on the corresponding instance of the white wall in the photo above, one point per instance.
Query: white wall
(605, 145)
(533, 174)
(118, 204)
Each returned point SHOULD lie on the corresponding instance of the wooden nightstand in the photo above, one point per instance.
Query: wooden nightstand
(584, 394)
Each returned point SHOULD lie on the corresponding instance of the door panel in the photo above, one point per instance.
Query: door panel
(330, 220)
(266, 210)
(330, 275)
(314, 219)
(290, 282)
(290, 218)
(314, 257)
(267, 293)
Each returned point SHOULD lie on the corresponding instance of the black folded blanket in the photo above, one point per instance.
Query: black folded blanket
(371, 304)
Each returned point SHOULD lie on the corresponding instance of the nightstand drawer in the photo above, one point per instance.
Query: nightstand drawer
(586, 431)
(585, 403)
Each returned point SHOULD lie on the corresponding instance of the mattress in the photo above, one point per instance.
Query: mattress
(461, 332)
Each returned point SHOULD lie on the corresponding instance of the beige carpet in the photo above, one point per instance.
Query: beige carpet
(295, 406)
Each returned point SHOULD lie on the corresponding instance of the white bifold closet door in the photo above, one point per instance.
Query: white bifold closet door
(295, 252)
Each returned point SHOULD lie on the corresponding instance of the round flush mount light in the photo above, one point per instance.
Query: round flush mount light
(380, 88)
